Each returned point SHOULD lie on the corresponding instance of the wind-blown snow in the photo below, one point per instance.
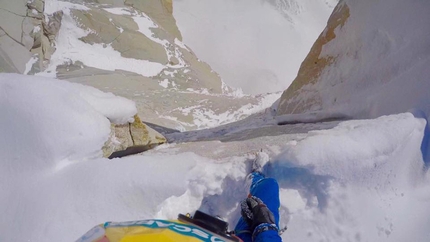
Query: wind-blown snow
(44, 121)
(117, 109)
(256, 45)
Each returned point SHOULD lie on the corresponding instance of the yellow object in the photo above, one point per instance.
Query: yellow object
(149, 230)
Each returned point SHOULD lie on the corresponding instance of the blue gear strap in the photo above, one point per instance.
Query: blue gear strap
(263, 228)
(267, 189)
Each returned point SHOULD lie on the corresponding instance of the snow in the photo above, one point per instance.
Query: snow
(36, 29)
(117, 109)
(204, 118)
(45, 121)
(145, 25)
(180, 44)
(357, 180)
(361, 180)
(52, 6)
(30, 64)
(118, 11)
(258, 42)
(164, 83)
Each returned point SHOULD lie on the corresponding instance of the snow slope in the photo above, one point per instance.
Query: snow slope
(363, 180)
(256, 45)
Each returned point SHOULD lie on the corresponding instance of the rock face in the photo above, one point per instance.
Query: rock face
(130, 48)
(12, 16)
(181, 95)
(133, 135)
(311, 68)
(25, 32)
(366, 63)
(128, 33)
(161, 11)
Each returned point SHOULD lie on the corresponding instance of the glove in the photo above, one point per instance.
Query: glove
(257, 215)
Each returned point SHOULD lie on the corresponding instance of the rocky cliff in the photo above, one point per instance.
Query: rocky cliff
(26, 31)
(371, 58)
(128, 47)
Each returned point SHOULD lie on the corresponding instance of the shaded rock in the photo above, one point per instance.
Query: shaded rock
(138, 46)
(37, 33)
(130, 43)
(126, 136)
(102, 29)
(115, 3)
(202, 73)
(160, 11)
(6, 64)
(34, 14)
(139, 132)
(52, 26)
(17, 34)
(311, 68)
(14, 56)
(38, 5)
(27, 28)
(47, 48)
(11, 24)
(124, 22)
(17, 7)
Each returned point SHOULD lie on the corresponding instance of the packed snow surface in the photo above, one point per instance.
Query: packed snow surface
(363, 180)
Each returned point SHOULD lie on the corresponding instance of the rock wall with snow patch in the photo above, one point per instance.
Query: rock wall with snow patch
(372, 59)
(133, 49)
(131, 138)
